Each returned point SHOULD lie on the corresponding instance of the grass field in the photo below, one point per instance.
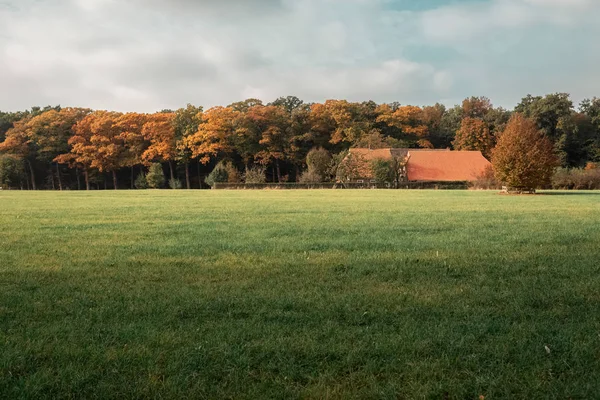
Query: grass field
(299, 294)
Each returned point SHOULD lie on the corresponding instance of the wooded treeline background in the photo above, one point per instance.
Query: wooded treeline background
(76, 148)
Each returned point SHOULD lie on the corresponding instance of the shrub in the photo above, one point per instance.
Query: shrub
(175, 184)
(255, 175)
(382, 171)
(310, 176)
(318, 162)
(156, 176)
(233, 175)
(11, 171)
(218, 175)
(577, 179)
(141, 182)
(486, 180)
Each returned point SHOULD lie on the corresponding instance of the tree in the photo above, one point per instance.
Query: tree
(159, 130)
(97, 143)
(382, 171)
(318, 161)
(186, 123)
(289, 103)
(271, 124)
(524, 156)
(343, 122)
(18, 144)
(155, 177)
(49, 133)
(476, 107)
(218, 175)
(410, 122)
(214, 135)
(11, 171)
(474, 134)
(552, 114)
(135, 144)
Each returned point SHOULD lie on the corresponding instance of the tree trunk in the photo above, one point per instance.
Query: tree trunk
(104, 180)
(132, 179)
(297, 173)
(32, 175)
(78, 178)
(187, 175)
(58, 177)
(171, 168)
(273, 173)
(114, 175)
(199, 177)
(278, 171)
(87, 179)
(52, 176)
(27, 183)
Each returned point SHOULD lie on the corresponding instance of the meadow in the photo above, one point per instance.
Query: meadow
(299, 294)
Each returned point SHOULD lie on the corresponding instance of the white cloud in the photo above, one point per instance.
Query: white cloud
(150, 54)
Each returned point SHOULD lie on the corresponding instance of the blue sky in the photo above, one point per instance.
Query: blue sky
(145, 55)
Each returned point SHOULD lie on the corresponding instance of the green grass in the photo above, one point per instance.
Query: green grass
(299, 294)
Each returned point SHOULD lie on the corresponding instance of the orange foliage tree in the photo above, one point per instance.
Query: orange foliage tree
(409, 119)
(474, 134)
(272, 124)
(524, 157)
(18, 144)
(96, 143)
(159, 131)
(130, 126)
(214, 135)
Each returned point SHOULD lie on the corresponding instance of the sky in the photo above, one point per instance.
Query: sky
(148, 55)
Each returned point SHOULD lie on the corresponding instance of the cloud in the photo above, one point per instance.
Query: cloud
(145, 55)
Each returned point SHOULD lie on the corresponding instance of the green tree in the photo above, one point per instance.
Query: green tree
(156, 176)
(218, 175)
(382, 171)
(12, 171)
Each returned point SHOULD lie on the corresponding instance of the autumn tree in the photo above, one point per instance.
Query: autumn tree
(214, 135)
(343, 121)
(49, 133)
(476, 107)
(159, 131)
(130, 126)
(409, 120)
(474, 134)
(272, 125)
(17, 143)
(97, 143)
(524, 156)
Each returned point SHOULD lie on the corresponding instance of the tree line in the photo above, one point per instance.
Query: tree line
(76, 148)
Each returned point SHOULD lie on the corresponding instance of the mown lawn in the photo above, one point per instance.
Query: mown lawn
(299, 294)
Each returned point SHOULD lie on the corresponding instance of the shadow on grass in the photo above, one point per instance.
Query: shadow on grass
(571, 193)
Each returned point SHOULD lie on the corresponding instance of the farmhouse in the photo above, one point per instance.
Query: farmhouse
(417, 164)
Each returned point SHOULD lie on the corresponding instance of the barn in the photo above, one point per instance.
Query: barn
(423, 165)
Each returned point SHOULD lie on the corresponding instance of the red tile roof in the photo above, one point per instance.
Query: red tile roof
(426, 165)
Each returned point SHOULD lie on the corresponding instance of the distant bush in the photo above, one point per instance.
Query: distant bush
(318, 161)
(156, 176)
(233, 174)
(576, 179)
(11, 171)
(218, 175)
(255, 175)
(141, 182)
(486, 180)
(175, 184)
(382, 171)
(310, 176)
